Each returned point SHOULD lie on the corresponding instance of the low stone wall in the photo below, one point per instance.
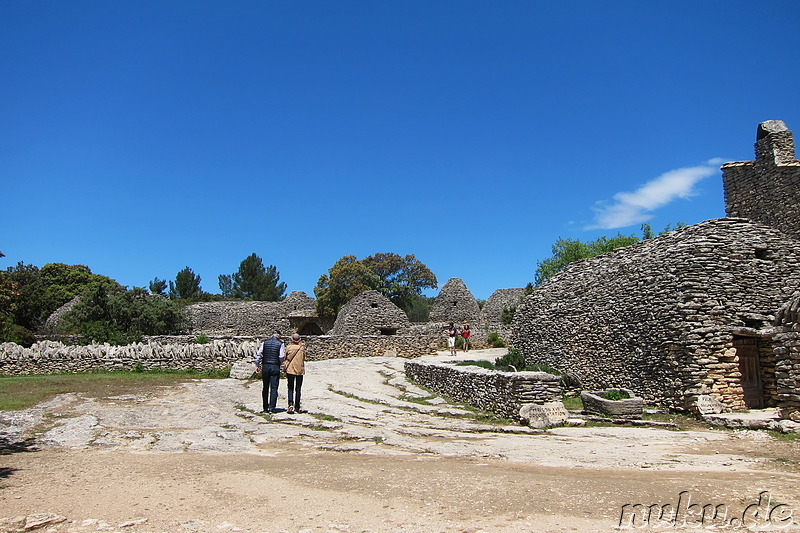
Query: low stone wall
(502, 393)
(181, 353)
(335, 347)
(53, 357)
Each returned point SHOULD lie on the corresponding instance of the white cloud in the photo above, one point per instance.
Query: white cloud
(630, 208)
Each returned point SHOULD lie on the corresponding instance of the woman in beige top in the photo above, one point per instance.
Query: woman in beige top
(295, 369)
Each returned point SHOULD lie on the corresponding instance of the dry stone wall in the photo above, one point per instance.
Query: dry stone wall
(659, 317)
(503, 393)
(787, 358)
(55, 357)
(371, 313)
(249, 318)
(455, 303)
(500, 300)
(766, 190)
(181, 353)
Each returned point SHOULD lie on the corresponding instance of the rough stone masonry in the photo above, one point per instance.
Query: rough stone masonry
(691, 312)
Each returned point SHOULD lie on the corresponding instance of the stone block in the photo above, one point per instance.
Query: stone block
(544, 415)
(594, 402)
(242, 370)
(707, 404)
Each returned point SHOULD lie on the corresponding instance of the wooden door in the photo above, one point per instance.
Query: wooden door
(747, 350)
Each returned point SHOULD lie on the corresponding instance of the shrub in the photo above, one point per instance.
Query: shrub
(539, 367)
(616, 395)
(202, 339)
(495, 341)
(483, 364)
(107, 313)
(507, 316)
(512, 361)
(10, 332)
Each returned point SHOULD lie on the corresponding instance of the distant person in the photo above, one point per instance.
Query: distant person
(295, 369)
(452, 331)
(465, 334)
(268, 363)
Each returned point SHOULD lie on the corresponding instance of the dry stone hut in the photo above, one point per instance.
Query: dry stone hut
(499, 301)
(767, 190)
(786, 342)
(251, 318)
(455, 304)
(371, 313)
(691, 312)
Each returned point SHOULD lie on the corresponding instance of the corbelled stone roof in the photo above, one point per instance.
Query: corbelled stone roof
(370, 313)
(455, 303)
(501, 299)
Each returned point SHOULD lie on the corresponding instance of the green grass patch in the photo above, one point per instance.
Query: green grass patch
(784, 436)
(319, 427)
(616, 395)
(684, 422)
(355, 397)
(573, 403)
(483, 364)
(422, 400)
(325, 417)
(21, 392)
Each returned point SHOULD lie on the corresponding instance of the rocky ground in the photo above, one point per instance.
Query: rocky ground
(373, 453)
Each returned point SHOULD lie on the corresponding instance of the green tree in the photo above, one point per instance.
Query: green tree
(399, 278)
(108, 313)
(158, 286)
(226, 285)
(10, 331)
(64, 282)
(26, 296)
(347, 278)
(566, 251)
(419, 308)
(254, 281)
(186, 286)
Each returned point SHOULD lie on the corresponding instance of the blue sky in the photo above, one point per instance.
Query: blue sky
(138, 138)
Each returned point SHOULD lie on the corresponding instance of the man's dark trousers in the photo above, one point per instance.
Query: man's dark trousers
(271, 374)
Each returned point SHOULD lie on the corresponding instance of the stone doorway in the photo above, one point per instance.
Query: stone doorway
(310, 328)
(747, 351)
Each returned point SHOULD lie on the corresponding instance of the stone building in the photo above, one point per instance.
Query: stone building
(455, 303)
(690, 312)
(786, 343)
(499, 301)
(767, 190)
(371, 313)
(293, 313)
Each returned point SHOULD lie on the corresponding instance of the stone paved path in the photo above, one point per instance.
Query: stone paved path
(355, 405)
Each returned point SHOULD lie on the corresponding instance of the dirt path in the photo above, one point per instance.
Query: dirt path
(368, 456)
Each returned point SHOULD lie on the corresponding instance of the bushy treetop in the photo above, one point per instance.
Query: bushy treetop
(399, 278)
